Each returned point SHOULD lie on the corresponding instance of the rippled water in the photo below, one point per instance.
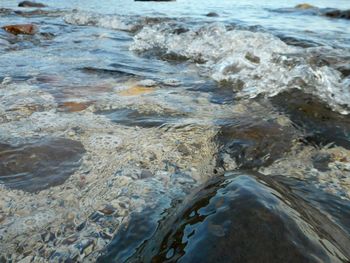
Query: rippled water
(119, 109)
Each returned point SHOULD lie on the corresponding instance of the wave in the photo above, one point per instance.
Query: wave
(253, 62)
(83, 18)
(116, 22)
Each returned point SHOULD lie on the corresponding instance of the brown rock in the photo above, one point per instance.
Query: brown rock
(72, 106)
(136, 90)
(26, 29)
(304, 6)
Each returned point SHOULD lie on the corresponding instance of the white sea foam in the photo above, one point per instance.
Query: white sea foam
(82, 18)
(255, 62)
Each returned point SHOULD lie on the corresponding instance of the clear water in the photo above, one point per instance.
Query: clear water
(162, 97)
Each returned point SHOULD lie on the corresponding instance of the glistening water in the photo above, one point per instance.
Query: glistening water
(182, 131)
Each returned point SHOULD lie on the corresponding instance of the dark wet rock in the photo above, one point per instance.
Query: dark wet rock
(24, 29)
(319, 123)
(243, 217)
(81, 226)
(252, 144)
(146, 174)
(39, 164)
(338, 13)
(31, 4)
(212, 14)
(107, 210)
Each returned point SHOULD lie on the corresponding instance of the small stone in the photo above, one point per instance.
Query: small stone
(146, 174)
(25, 29)
(212, 14)
(107, 210)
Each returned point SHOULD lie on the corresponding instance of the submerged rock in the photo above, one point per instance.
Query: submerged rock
(253, 144)
(73, 106)
(243, 217)
(320, 124)
(31, 4)
(39, 164)
(136, 90)
(25, 29)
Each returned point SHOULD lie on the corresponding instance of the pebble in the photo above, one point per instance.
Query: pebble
(107, 210)
(146, 174)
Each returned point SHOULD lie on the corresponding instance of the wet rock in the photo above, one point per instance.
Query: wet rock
(304, 6)
(243, 217)
(212, 14)
(253, 145)
(39, 164)
(107, 210)
(338, 13)
(73, 106)
(31, 4)
(319, 123)
(146, 174)
(25, 29)
(136, 90)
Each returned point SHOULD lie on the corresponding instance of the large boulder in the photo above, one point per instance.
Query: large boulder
(244, 217)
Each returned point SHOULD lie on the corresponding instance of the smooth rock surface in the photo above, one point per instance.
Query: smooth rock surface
(243, 217)
(39, 164)
(25, 29)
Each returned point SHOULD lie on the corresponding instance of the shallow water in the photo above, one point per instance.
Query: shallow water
(122, 108)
